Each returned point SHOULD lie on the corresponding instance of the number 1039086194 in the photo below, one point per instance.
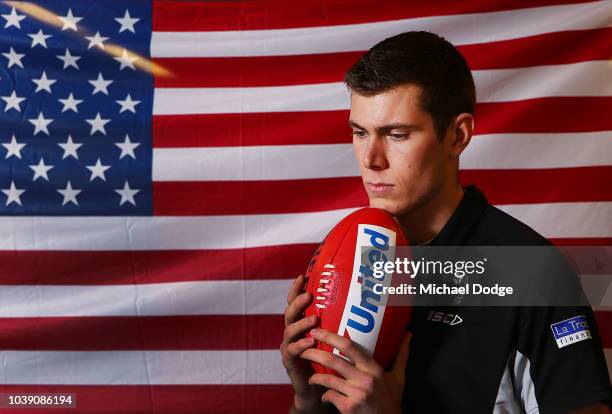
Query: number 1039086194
(40, 400)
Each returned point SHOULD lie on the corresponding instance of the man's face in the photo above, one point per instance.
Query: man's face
(402, 163)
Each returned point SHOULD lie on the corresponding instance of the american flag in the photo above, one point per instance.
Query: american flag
(167, 168)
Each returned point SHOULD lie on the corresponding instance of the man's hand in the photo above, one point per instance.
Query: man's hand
(366, 387)
(307, 397)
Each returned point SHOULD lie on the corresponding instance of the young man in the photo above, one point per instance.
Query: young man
(412, 115)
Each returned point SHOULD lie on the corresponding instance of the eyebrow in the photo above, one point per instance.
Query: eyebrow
(386, 128)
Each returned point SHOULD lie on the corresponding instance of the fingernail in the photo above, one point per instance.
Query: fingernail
(309, 341)
(312, 318)
(314, 332)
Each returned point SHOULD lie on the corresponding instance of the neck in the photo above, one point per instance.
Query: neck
(425, 222)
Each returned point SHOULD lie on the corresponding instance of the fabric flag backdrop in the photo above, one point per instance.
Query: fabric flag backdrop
(167, 168)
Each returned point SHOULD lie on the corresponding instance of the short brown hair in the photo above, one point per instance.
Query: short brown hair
(426, 60)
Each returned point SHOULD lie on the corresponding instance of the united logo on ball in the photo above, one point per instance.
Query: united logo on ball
(340, 277)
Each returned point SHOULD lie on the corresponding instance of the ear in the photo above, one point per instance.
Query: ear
(463, 127)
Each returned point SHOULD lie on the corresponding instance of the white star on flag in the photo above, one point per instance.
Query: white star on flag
(13, 19)
(43, 83)
(41, 123)
(69, 194)
(41, 170)
(12, 102)
(70, 148)
(127, 194)
(128, 104)
(13, 148)
(39, 39)
(97, 124)
(70, 103)
(127, 22)
(14, 58)
(69, 60)
(13, 194)
(126, 60)
(96, 40)
(97, 170)
(70, 21)
(127, 147)
(100, 84)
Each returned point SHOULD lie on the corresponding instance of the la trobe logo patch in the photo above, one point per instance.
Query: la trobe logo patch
(571, 331)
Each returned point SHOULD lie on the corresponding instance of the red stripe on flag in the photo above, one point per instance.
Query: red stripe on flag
(250, 129)
(257, 197)
(545, 115)
(257, 71)
(254, 70)
(167, 399)
(604, 323)
(545, 49)
(586, 241)
(330, 127)
(541, 185)
(138, 267)
(311, 195)
(240, 332)
(172, 16)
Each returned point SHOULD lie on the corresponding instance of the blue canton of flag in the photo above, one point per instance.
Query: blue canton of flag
(76, 97)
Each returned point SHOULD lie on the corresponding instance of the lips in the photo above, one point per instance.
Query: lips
(379, 188)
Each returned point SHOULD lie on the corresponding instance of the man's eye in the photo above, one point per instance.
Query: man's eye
(359, 134)
(398, 137)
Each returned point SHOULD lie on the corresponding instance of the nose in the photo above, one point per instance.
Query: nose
(375, 157)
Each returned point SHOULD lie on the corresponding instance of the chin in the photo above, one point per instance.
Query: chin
(397, 208)
(388, 205)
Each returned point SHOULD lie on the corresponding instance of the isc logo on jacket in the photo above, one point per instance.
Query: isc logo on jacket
(446, 318)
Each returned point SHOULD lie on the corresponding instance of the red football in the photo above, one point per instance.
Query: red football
(340, 279)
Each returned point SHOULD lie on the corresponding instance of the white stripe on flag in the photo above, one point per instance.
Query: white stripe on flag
(165, 233)
(518, 151)
(219, 297)
(458, 29)
(565, 220)
(608, 354)
(590, 78)
(288, 162)
(316, 97)
(142, 367)
(282, 162)
(552, 220)
(494, 85)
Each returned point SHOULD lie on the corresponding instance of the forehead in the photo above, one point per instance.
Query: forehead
(398, 105)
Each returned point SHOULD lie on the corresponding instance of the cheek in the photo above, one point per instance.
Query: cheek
(416, 168)
(358, 151)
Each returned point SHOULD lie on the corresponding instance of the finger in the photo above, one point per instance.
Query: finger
(338, 400)
(294, 349)
(296, 288)
(349, 348)
(333, 382)
(335, 362)
(398, 370)
(297, 330)
(295, 311)
(291, 357)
